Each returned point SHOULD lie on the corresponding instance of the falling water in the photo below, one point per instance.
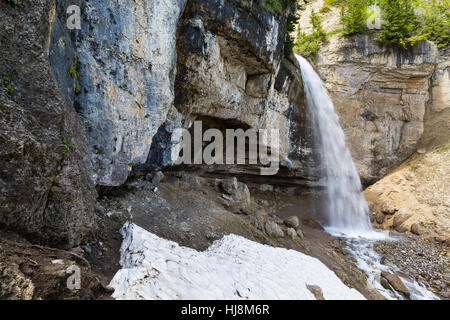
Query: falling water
(347, 208)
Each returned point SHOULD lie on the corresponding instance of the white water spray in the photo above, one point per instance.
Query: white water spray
(347, 209)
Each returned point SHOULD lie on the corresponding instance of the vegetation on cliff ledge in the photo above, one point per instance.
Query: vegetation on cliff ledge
(397, 22)
(308, 44)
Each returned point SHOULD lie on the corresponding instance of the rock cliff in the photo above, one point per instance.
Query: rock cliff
(389, 99)
(45, 172)
(392, 102)
(84, 107)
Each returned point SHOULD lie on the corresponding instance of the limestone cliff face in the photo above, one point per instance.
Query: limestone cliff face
(381, 95)
(148, 67)
(437, 115)
(46, 191)
(231, 73)
(392, 103)
(414, 197)
(385, 96)
(90, 105)
(127, 66)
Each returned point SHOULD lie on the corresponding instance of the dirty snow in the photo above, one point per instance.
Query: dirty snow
(231, 268)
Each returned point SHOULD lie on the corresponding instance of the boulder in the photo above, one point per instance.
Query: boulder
(292, 221)
(399, 219)
(316, 291)
(379, 217)
(416, 229)
(155, 177)
(236, 195)
(396, 283)
(312, 224)
(388, 208)
(274, 230)
(229, 186)
(291, 233)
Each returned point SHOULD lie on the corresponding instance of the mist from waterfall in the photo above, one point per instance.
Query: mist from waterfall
(348, 212)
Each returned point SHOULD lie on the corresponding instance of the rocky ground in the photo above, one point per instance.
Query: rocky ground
(195, 211)
(424, 261)
(414, 198)
(29, 271)
(190, 210)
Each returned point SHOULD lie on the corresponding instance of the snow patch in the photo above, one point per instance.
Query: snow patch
(231, 268)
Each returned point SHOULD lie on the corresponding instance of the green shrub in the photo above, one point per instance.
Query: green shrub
(309, 45)
(435, 22)
(401, 23)
(325, 8)
(73, 72)
(289, 44)
(278, 6)
(7, 84)
(333, 2)
(354, 16)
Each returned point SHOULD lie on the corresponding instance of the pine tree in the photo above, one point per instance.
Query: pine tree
(401, 22)
(353, 16)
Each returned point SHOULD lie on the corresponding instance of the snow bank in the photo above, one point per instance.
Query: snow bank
(231, 268)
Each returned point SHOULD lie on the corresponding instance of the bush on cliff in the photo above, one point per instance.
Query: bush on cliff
(435, 19)
(353, 17)
(401, 23)
(406, 21)
(308, 45)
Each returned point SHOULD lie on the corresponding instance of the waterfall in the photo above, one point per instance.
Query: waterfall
(348, 212)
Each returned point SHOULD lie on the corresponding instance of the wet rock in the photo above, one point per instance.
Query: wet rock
(416, 259)
(274, 230)
(292, 221)
(291, 233)
(379, 217)
(312, 223)
(396, 283)
(316, 291)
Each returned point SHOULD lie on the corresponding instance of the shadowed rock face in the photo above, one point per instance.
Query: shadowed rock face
(46, 190)
(231, 73)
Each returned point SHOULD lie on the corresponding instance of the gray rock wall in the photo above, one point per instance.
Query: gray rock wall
(46, 191)
(127, 65)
